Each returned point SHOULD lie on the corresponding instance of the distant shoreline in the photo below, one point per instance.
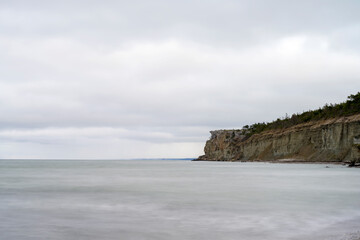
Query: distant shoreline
(98, 159)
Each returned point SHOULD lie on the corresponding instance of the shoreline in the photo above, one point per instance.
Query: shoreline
(286, 161)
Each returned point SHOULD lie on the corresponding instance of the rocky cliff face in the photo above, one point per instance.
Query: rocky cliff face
(332, 140)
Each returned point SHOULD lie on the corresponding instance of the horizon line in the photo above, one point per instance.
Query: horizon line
(106, 159)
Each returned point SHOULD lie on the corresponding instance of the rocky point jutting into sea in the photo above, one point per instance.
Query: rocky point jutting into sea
(334, 139)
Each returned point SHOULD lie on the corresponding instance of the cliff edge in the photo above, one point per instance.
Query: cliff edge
(330, 140)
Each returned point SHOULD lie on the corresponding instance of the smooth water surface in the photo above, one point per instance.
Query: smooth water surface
(165, 200)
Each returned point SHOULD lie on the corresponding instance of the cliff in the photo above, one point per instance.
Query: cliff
(331, 140)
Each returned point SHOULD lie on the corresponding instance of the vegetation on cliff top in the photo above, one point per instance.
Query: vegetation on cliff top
(350, 107)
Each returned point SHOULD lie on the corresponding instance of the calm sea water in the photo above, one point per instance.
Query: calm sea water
(167, 200)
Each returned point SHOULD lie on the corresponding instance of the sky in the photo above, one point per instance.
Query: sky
(147, 79)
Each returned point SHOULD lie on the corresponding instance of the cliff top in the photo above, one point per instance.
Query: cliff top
(330, 112)
(313, 125)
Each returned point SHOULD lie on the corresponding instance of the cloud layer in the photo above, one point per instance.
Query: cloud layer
(113, 79)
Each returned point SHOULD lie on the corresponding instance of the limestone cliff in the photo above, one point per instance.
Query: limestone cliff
(331, 140)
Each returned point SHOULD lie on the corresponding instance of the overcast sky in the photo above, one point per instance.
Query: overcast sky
(132, 79)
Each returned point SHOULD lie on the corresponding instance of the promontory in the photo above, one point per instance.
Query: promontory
(329, 134)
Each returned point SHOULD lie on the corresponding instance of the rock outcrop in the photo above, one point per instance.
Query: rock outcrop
(331, 140)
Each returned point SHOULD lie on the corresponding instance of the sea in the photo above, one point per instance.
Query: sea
(177, 200)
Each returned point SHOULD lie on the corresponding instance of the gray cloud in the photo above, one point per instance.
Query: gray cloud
(120, 79)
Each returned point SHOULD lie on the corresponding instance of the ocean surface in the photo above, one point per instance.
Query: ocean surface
(166, 200)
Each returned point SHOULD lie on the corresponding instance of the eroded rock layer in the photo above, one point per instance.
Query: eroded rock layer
(331, 140)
